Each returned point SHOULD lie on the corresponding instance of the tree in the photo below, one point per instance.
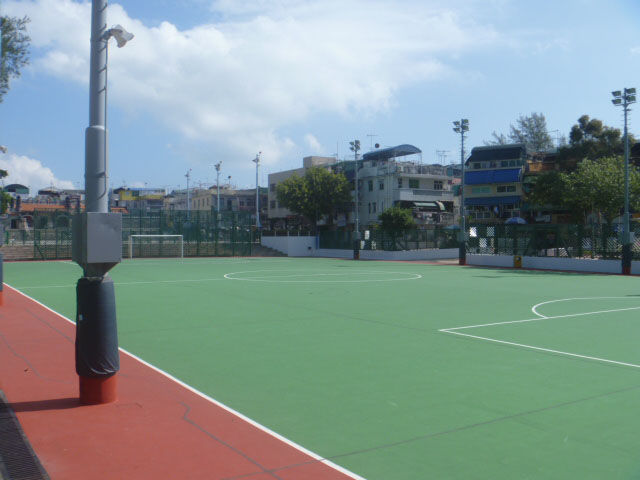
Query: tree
(319, 193)
(15, 50)
(396, 219)
(529, 130)
(5, 198)
(591, 139)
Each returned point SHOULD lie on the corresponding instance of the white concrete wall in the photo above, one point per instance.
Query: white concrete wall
(554, 263)
(306, 247)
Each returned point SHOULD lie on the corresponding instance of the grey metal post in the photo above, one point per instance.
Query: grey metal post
(97, 234)
(355, 147)
(218, 165)
(188, 175)
(461, 127)
(624, 99)
(257, 162)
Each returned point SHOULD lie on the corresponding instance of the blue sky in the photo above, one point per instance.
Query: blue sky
(206, 81)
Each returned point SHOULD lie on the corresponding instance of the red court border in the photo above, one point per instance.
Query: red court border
(158, 428)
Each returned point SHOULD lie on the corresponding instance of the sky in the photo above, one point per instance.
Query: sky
(207, 81)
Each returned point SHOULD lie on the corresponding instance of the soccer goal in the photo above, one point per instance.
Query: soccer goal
(156, 246)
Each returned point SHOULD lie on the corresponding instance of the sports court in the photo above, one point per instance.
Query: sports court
(391, 370)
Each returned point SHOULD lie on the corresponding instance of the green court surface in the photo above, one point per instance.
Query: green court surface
(365, 363)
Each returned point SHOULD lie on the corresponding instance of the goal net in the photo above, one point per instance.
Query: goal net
(156, 246)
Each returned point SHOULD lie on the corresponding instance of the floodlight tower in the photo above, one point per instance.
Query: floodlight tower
(188, 175)
(461, 127)
(624, 99)
(355, 147)
(97, 234)
(218, 165)
(257, 162)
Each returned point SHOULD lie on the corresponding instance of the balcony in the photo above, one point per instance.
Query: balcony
(422, 194)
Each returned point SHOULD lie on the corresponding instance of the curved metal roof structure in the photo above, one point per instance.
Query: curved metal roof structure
(391, 152)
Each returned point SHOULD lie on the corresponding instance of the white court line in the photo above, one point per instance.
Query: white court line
(544, 349)
(540, 317)
(216, 402)
(534, 309)
(269, 279)
(130, 283)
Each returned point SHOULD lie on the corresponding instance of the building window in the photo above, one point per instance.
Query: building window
(371, 185)
(369, 207)
(506, 188)
(272, 187)
(272, 204)
(477, 165)
(437, 185)
(414, 183)
(381, 185)
(504, 163)
(399, 183)
(374, 207)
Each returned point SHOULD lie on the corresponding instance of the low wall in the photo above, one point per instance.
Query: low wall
(554, 263)
(306, 247)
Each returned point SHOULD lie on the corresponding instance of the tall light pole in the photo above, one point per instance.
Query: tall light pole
(257, 162)
(461, 127)
(625, 98)
(355, 147)
(97, 234)
(188, 175)
(218, 165)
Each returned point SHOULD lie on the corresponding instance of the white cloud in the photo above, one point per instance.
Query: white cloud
(312, 143)
(30, 172)
(270, 64)
(635, 50)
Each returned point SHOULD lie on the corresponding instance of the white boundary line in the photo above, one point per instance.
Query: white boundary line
(541, 317)
(216, 402)
(228, 276)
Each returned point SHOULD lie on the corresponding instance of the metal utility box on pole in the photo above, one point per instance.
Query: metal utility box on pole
(97, 235)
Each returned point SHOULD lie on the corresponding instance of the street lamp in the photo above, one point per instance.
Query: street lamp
(97, 234)
(355, 147)
(188, 175)
(218, 165)
(257, 162)
(461, 127)
(625, 98)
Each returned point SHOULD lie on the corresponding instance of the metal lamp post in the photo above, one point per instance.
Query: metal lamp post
(218, 165)
(625, 98)
(355, 147)
(461, 127)
(257, 162)
(97, 234)
(188, 175)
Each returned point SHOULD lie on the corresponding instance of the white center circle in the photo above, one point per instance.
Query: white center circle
(349, 276)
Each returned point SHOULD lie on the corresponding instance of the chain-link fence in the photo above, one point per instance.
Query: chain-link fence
(203, 234)
(437, 237)
(547, 240)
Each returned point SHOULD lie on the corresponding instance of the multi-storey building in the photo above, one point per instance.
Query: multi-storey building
(392, 177)
(493, 182)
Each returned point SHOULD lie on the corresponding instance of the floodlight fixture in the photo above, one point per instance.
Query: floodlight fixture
(3, 149)
(630, 91)
(616, 93)
(120, 34)
(616, 101)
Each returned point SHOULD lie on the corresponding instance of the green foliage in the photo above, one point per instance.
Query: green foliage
(595, 186)
(396, 219)
(15, 50)
(530, 130)
(5, 201)
(319, 193)
(591, 139)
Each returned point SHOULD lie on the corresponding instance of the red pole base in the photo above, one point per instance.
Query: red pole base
(626, 270)
(98, 390)
(1, 297)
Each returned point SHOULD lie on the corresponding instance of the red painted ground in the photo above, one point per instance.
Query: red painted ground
(156, 430)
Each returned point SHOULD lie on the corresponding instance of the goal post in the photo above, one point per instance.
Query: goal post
(157, 245)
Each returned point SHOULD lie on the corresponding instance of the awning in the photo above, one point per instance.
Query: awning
(434, 205)
(492, 200)
(483, 177)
